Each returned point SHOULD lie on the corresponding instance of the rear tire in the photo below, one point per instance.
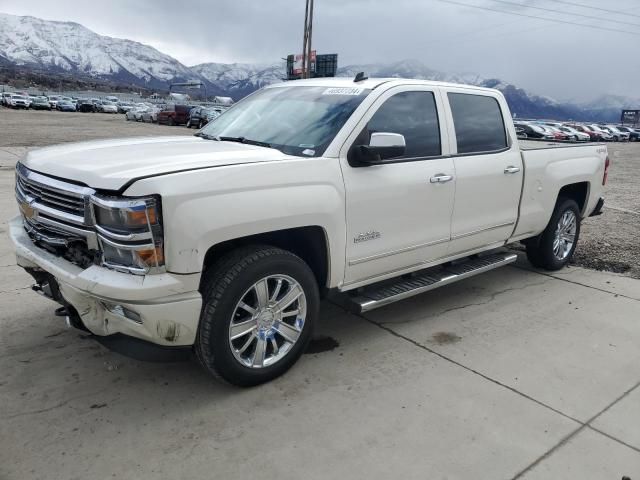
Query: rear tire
(553, 248)
(259, 353)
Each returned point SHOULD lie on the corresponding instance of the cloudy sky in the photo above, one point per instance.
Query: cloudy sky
(538, 46)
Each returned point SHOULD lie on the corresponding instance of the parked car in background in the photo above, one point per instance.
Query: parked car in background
(135, 113)
(618, 135)
(124, 107)
(40, 103)
(534, 131)
(107, 107)
(174, 115)
(112, 99)
(593, 136)
(151, 114)
(200, 116)
(53, 100)
(557, 134)
(5, 98)
(574, 134)
(65, 106)
(634, 135)
(18, 101)
(605, 136)
(67, 99)
(85, 106)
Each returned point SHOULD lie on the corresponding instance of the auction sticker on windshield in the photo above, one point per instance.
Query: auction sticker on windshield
(343, 91)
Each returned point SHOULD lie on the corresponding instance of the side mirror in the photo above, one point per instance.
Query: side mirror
(382, 146)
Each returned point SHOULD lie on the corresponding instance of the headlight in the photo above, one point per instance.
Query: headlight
(130, 233)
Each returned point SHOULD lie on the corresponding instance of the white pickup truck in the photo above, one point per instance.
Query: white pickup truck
(372, 190)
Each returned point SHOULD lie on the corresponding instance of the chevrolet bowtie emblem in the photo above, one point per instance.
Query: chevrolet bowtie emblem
(27, 210)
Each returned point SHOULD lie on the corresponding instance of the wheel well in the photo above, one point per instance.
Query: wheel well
(309, 243)
(577, 192)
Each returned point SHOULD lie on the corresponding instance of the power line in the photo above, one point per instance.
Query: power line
(547, 19)
(551, 10)
(582, 5)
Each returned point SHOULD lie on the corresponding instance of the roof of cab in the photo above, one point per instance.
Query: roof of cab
(370, 83)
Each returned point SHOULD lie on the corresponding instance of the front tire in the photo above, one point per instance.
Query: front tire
(260, 305)
(554, 247)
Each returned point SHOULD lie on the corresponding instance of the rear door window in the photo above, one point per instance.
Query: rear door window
(478, 123)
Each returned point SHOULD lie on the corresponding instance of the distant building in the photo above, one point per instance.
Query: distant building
(226, 101)
(179, 97)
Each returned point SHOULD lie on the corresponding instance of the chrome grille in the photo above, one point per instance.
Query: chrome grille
(49, 197)
(55, 213)
(67, 202)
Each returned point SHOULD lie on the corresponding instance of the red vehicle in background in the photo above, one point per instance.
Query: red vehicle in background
(557, 134)
(174, 115)
(593, 135)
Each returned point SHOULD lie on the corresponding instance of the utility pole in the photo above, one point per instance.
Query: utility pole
(306, 41)
(304, 38)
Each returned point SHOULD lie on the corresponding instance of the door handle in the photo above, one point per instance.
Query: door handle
(511, 169)
(441, 178)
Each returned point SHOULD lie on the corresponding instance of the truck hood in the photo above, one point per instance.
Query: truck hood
(110, 164)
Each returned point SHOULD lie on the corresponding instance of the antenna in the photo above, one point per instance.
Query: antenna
(360, 76)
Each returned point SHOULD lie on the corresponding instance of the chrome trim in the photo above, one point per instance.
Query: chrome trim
(512, 169)
(31, 230)
(126, 246)
(436, 280)
(396, 252)
(119, 204)
(441, 178)
(123, 269)
(475, 232)
(39, 207)
(49, 182)
(130, 237)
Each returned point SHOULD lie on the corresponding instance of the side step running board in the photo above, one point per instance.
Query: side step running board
(387, 292)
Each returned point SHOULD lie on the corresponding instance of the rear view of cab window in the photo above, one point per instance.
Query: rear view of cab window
(478, 123)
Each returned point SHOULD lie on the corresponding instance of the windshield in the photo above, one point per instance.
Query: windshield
(295, 120)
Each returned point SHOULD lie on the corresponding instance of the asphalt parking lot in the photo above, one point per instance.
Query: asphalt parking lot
(512, 374)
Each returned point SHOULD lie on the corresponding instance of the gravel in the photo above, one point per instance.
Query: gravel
(609, 242)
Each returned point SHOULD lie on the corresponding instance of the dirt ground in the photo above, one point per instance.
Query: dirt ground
(29, 128)
(610, 242)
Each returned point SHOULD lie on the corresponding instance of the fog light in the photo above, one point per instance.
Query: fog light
(122, 312)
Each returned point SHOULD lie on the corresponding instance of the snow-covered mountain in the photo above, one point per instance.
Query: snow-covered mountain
(72, 48)
(66, 47)
(240, 79)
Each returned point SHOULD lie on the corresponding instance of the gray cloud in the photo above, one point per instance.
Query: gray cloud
(559, 60)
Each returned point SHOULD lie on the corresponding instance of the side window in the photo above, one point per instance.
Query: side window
(478, 123)
(414, 115)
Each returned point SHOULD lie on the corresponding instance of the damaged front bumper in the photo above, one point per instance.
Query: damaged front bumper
(163, 309)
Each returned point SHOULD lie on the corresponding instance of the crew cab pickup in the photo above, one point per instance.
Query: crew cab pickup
(370, 191)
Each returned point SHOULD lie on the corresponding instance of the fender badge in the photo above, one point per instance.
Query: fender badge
(366, 236)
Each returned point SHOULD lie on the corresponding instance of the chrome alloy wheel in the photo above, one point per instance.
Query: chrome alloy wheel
(565, 235)
(267, 321)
